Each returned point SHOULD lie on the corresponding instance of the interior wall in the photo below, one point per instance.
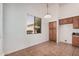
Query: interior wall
(43, 36)
(15, 17)
(15, 21)
(68, 10)
(54, 11)
(66, 33)
(14, 26)
(1, 29)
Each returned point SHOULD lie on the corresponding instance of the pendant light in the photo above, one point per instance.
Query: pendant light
(47, 14)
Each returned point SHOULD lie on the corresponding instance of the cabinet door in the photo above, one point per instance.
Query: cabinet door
(60, 22)
(75, 41)
(69, 20)
(54, 34)
(66, 21)
(50, 35)
(50, 25)
(54, 25)
(52, 31)
(76, 22)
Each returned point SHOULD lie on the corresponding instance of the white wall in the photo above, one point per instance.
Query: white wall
(14, 26)
(41, 37)
(44, 36)
(54, 11)
(68, 10)
(15, 16)
(66, 33)
(1, 29)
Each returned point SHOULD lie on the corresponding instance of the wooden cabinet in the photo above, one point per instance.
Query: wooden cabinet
(52, 25)
(76, 22)
(50, 34)
(71, 20)
(75, 40)
(54, 34)
(52, 31)
(66, 21)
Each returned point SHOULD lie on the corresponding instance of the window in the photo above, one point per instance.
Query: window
(33, 24)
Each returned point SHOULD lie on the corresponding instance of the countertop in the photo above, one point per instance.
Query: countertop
(76, 35)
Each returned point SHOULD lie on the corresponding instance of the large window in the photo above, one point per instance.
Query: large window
(33, 25)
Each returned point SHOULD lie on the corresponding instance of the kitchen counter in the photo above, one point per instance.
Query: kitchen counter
(76, 35)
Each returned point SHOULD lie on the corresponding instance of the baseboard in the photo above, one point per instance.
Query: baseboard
(66, 43)
(24, 48)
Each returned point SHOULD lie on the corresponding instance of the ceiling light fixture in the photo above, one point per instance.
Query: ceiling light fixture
(47, 14)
